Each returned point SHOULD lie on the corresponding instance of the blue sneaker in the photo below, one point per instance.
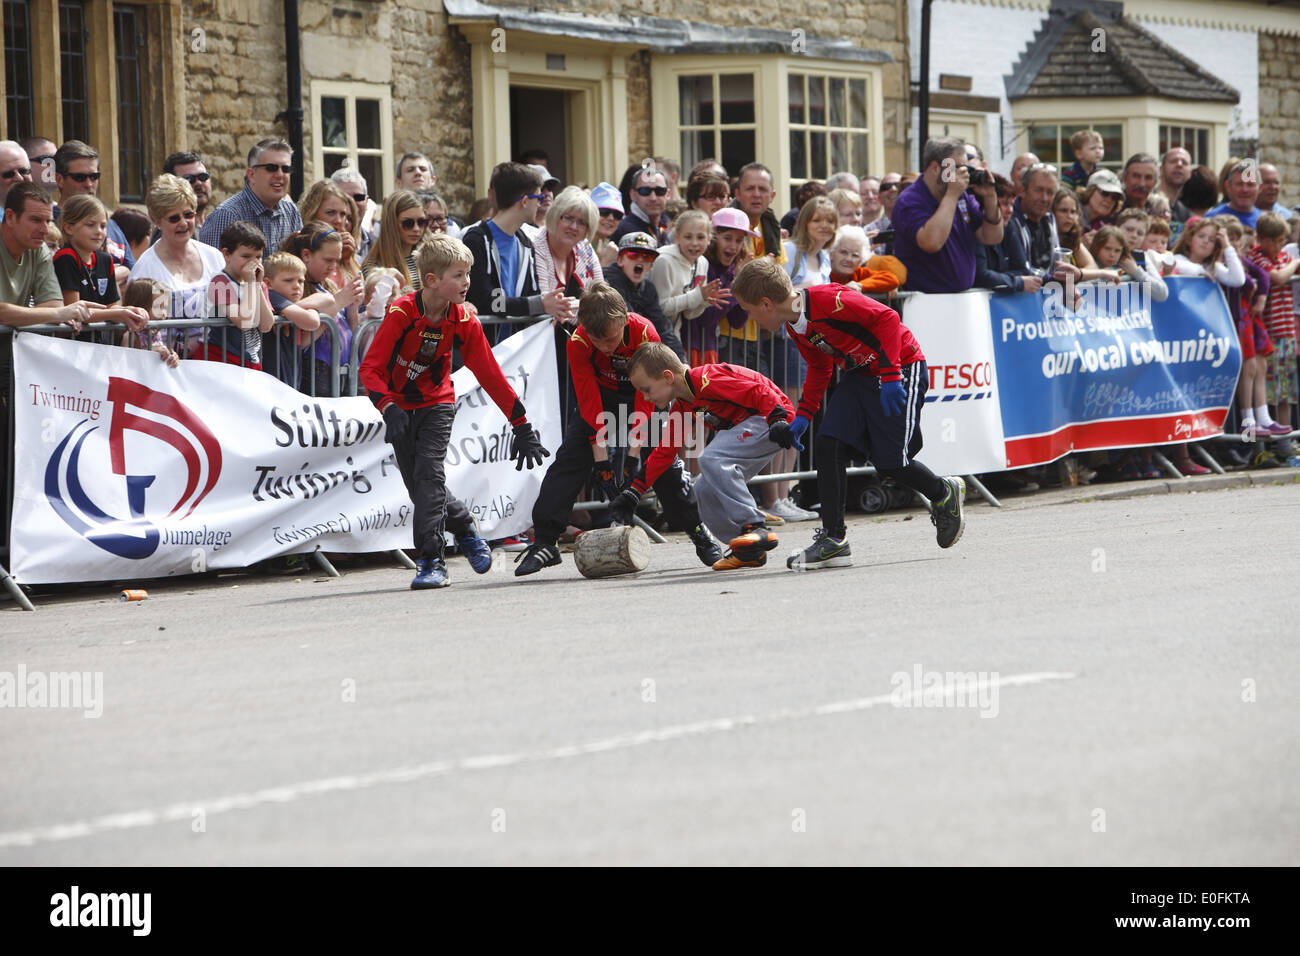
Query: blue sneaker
(475, 550)
(430, 573)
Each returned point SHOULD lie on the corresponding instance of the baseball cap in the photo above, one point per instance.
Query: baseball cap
(1106, 181)
(548, 178)
(638, 240)
(732, 219)
(606, 196)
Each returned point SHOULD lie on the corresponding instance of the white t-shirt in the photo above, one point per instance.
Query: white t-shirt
(188, 299)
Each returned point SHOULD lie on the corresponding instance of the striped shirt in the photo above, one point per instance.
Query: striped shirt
(1279, 314)
(276, 224)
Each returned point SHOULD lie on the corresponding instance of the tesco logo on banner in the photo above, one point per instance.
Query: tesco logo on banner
(75, 487)
(968, 381)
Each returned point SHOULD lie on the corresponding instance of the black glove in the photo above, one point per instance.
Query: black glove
(528, 448)
(605, 480)
(396, 422)
(623, 507)
(780, 433)
(631, 469)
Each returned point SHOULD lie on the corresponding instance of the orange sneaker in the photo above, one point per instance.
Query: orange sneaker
(753, 541)
(734, 562)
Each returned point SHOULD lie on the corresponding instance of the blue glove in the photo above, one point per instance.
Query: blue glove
(893, 397)
(798, 427)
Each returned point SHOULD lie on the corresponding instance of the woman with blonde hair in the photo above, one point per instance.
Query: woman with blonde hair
(326, 201)
(403, 227)
(178, 261)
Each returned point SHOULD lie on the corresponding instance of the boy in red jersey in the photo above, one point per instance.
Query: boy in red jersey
(598, 351)
(876, 408)
(751, 417)
(407, 373)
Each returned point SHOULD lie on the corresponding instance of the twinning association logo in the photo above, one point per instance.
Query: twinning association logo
(69, 481)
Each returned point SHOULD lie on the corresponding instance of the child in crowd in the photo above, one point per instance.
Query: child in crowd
(850, 266)
(1268, 254)
(382, 287)
(237, 301)
(1203, 249)
(599, 351)
(874, 412)
(53, 239)
(284, 347)
(637, 253)
(156, 299)
(1247, 304)
(1133, 224)
(85, 272)
(725, 252)
(407, 373)
(1089, 151)
(320, 247)
(681, 273)
(751, 418)
(1157, 242)
(609, 204)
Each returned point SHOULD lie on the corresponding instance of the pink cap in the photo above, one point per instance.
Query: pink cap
(729, 218)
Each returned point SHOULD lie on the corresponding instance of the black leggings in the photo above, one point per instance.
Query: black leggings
(833, 482)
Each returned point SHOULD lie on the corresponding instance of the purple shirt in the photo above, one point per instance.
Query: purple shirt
(952, 268)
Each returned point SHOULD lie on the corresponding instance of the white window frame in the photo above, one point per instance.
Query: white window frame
(858, 165)
(1112, 161)
(350, 92)
(1199, 128)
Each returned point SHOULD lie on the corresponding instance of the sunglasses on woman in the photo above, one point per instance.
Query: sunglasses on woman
(176, 217)
(608, 213)
(413, 223)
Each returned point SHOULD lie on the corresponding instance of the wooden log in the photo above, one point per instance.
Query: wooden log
(609, 551)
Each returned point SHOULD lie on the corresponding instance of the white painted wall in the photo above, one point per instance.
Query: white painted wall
(1231, 55)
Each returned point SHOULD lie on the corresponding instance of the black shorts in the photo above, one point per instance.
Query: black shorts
(855, 416)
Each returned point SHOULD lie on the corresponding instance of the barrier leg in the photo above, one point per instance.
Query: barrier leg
(324, 562)
(403, 559)
(1208, 459)
(1166, 464)
(651, 533)
(982, 491)
(12, 587)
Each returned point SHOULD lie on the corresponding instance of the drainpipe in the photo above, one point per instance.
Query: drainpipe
(293, 114)
(923, 99)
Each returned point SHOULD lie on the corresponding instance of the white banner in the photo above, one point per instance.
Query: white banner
(962, 420)
(479, 469)
(128, 469)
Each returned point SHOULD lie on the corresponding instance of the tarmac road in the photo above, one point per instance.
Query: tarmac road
(1135, 704)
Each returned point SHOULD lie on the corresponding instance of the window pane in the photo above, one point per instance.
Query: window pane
(697, 144)
(737, 93)
(1043, 144)
(695, 94)
(817, 100)
(838, 113)
(368, 135)
(839, 152)
(128, 25)
(72, 55)
(797, 114)
(817, 162)
(858, 104)
(333, 122)
(1202, 151)
(18, 69)
(1112, 140)
(372, 167)
(737, 148)
(859, 162)
(798, 154)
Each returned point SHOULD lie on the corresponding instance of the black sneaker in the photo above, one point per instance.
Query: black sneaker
(946, 515)
(539, 555)
(824, 552)
(430, 573)
(707, 547)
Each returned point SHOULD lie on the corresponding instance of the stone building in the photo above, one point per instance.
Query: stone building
(808, 87)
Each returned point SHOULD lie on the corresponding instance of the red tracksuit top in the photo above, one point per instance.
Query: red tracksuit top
(727, 395)
(593, 370)
(409, 362)
(841, 327)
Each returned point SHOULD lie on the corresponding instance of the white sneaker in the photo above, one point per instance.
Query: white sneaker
(787, 509)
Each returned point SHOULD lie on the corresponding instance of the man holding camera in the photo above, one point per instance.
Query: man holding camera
(939, 219)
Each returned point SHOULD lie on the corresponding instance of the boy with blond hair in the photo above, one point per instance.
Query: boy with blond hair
(1089, 151)
(875, 410)
(407, 373)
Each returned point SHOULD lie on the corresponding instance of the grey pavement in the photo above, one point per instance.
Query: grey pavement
(1139, 703)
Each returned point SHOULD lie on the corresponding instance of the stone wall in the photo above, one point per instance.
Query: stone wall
(1279, 105)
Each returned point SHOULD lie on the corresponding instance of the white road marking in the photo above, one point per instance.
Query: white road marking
(176, 812)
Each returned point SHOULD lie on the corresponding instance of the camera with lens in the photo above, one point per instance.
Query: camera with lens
(979, 177)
